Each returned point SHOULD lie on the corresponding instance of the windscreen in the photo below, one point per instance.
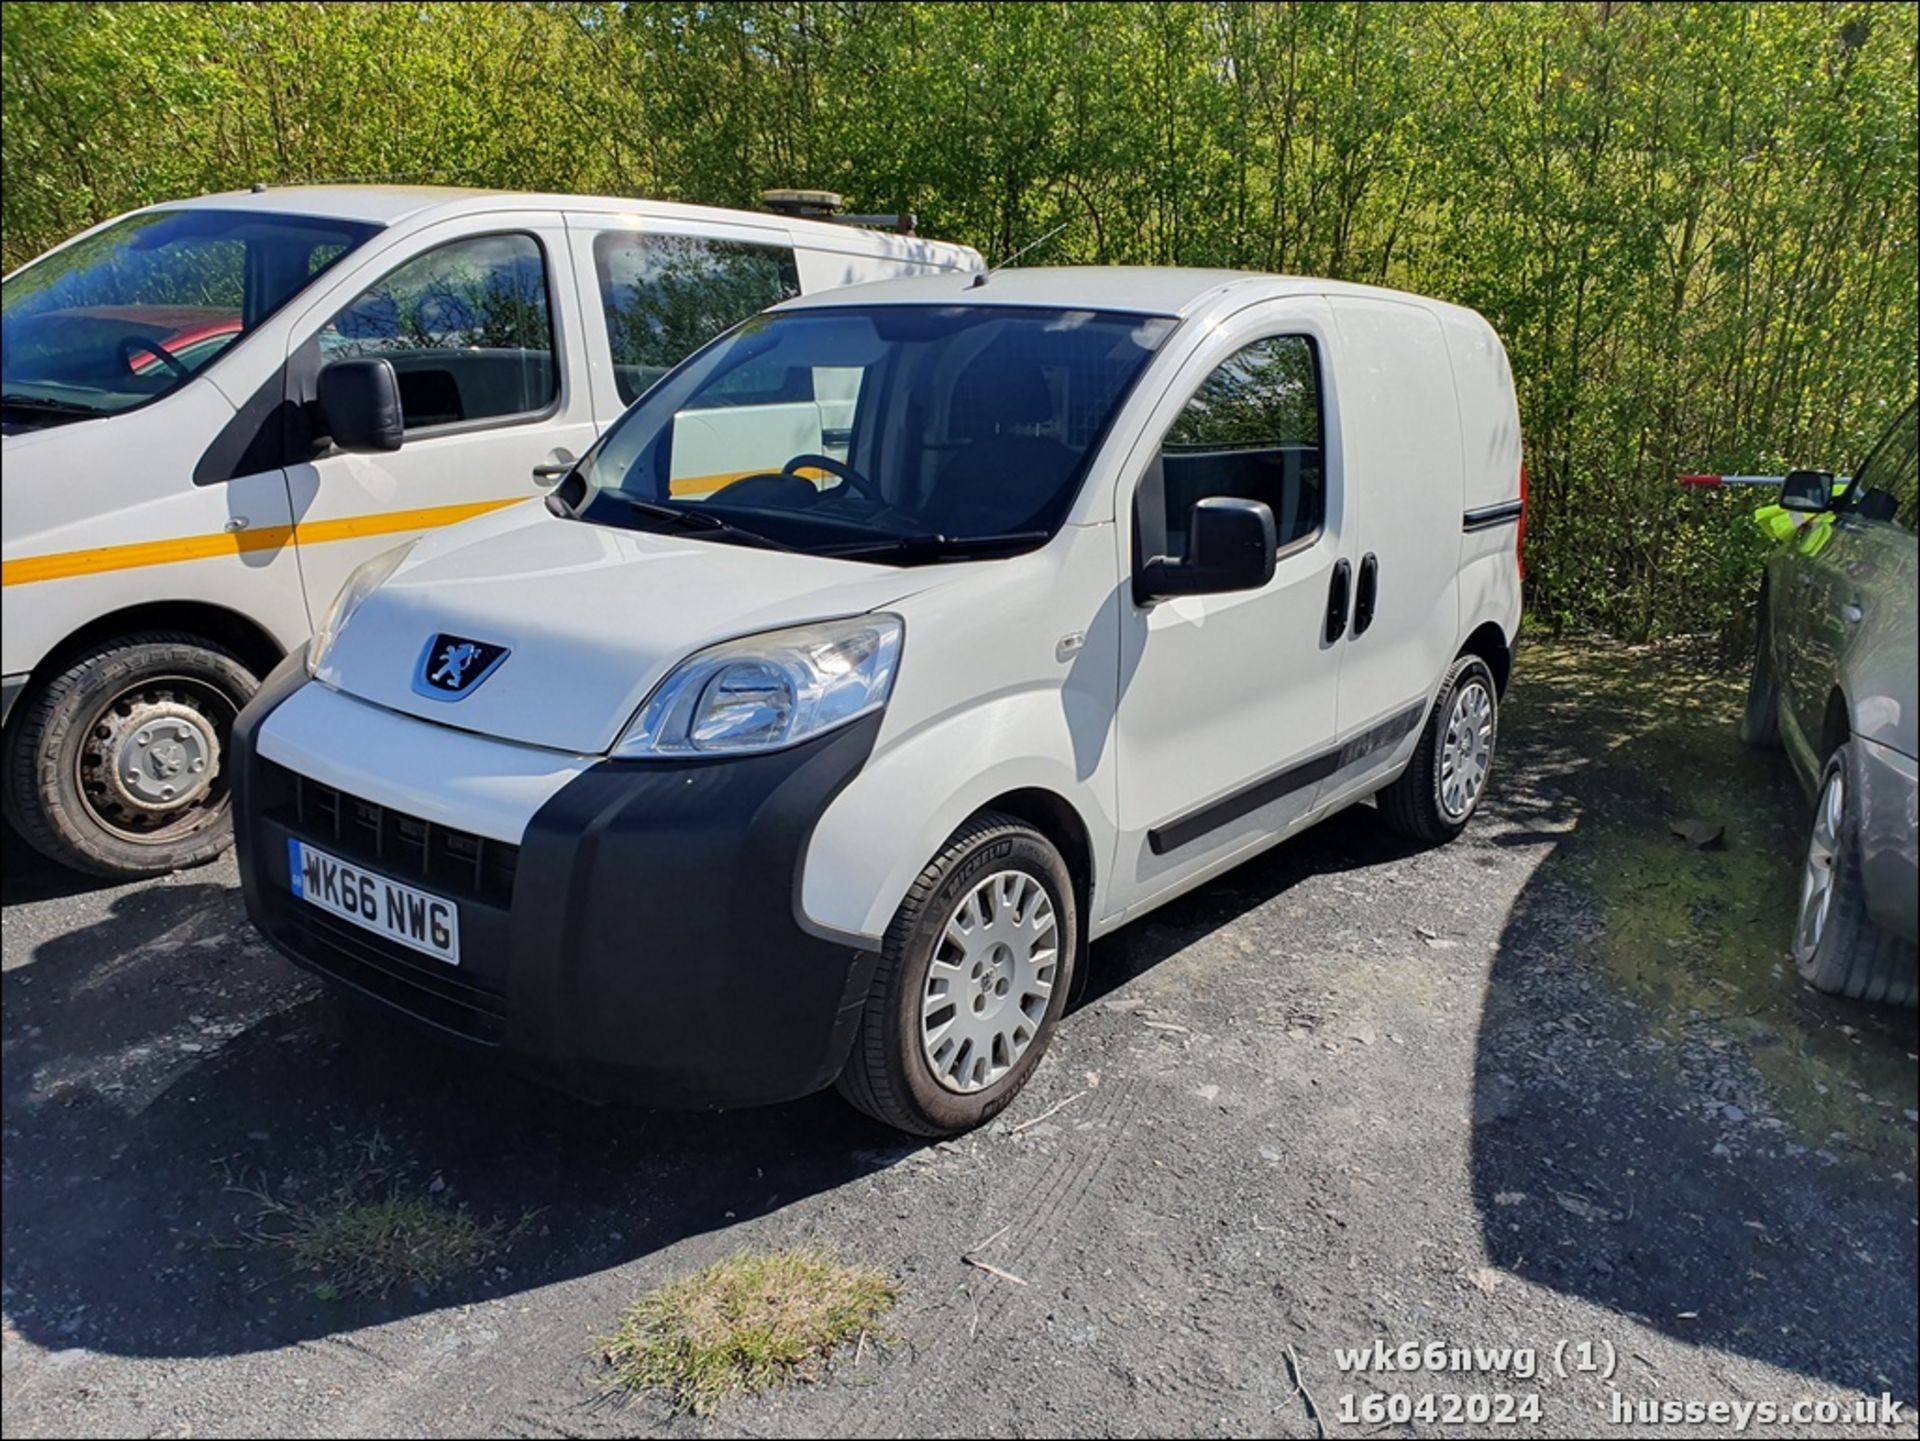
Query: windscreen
(893, 431)
(125, 315)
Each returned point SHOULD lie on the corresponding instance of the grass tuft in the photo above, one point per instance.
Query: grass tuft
(366, 1234)
(368, 1247)
(742, 1325)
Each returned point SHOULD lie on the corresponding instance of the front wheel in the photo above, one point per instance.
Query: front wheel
(973, 975)
(1836, 945)
(1438, 792)
(115, 765)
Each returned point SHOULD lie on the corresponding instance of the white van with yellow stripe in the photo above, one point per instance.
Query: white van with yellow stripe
(215, 410)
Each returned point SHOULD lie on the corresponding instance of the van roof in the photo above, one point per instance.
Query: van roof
(392, 204)
(1139, 289)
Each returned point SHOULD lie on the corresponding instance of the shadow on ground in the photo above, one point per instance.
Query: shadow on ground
(162, 1055)
(1667, 1123)
(162, 1065)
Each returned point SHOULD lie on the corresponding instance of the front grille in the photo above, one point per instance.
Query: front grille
(405, 847)
(467, 1000)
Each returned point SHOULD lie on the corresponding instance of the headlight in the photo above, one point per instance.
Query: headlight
(364, 581)
(767, 691)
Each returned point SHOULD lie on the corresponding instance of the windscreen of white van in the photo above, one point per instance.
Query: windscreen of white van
(898, 432)
(123, 316)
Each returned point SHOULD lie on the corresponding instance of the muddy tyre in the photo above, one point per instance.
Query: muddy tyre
(973, 975)
(114, 765)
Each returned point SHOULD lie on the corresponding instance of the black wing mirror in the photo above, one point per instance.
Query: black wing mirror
(1807, 490)
(1230, 546)
(359, 404)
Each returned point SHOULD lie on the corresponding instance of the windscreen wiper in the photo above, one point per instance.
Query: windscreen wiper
(44, 406)
(700, 520)
(935, 546)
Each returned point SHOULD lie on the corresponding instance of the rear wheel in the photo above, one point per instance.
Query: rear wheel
(1438, 792)
(973, 975)
(1760, 721)
(1836, 944)
(114, 766)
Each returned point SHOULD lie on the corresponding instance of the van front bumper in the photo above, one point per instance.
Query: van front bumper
(640, 944)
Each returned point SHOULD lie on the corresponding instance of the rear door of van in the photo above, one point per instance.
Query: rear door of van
(1400, 419)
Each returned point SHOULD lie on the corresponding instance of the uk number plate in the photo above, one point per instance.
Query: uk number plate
(426, 922)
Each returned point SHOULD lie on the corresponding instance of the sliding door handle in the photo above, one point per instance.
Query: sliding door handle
(1339, 589)
(1365, 593)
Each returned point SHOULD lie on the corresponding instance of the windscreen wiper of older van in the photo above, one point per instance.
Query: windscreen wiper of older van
(41, 405)
(699, 520)
(937, 547)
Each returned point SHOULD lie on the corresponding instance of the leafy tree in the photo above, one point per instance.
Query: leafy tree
(1694, 225)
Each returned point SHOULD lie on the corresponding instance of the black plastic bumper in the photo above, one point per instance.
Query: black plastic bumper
(640, 944)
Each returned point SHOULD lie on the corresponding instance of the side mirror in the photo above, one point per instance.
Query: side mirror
(359, 404)
(1807, 490)
(1230, 546)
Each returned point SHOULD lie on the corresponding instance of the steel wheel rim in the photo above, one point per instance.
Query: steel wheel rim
(989, 981)
(1823, 853)
(122, 794)
(1466, 750)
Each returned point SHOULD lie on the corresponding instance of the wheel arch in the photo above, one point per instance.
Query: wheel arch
(1054, 816)
(250, 642)
(1489, 642)
(1836, 726)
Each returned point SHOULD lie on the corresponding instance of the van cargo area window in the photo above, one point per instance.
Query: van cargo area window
(467, 328)
(665, 296)
(132, 312)
(1253, 431)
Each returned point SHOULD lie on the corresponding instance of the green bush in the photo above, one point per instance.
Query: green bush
(1694, 225)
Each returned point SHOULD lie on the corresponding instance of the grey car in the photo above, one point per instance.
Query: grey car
(1834, 682)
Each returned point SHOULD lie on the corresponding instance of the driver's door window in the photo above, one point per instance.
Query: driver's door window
(467, 328)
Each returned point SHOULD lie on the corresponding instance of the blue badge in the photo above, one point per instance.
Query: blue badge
(451, 666)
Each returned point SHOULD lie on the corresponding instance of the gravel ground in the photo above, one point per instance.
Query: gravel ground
(1552, 1083)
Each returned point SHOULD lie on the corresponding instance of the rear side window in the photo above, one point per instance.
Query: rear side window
(1252, 430)
(467, 328)
(665, 296)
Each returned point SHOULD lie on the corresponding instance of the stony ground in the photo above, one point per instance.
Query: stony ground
(1553, 1083)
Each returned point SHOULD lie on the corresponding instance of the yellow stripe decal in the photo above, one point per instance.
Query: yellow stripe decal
(698, 485)
(203, 547)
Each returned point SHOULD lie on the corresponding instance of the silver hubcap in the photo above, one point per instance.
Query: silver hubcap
(1466, 754)
(1816, 885)
(149, 769)
(990, 981)
(165, 757)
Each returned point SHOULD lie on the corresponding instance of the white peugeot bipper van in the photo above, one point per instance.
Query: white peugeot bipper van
(716, 788)
(182, 502)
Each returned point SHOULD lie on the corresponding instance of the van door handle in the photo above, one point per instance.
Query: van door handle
(559, 461)
(1337, 593)
(1363, 596)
